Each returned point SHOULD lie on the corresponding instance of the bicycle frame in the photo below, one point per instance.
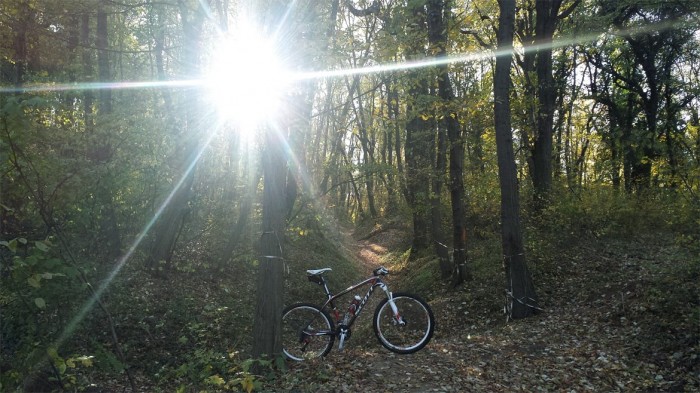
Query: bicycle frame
(374, 282)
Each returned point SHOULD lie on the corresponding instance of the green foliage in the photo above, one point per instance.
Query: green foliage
(211, 370)
(420, 275)
(36, 289)
(603, 211)
(68, 165)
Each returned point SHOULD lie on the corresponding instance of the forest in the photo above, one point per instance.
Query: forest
(170, 169)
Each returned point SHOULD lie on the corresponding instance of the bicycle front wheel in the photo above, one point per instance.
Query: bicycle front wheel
(307, 332)
(410, 330)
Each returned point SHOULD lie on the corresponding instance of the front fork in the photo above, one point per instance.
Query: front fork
(398, 319)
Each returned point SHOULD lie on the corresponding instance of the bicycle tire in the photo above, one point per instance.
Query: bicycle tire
(417, 331)
(299, 323)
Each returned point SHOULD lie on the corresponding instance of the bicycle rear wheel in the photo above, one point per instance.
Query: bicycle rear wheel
(307, 332)
(413, 328)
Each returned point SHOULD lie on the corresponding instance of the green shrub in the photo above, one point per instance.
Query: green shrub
(37, 291)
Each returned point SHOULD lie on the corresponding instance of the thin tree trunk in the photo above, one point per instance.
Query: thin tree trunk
(545, 24)
(186, 154)
(20, 44)
(394, 113)
(159, 53)
(519, 286)
(417, 173)
(439, 14)
(438, 176)
(388, 155)
(244, 210)
(367, 153)
(88, 96)
(103, 150)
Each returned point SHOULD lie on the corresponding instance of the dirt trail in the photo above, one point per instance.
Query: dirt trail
(436, 368)
(585, 340)
(370, 254)
(367, 366)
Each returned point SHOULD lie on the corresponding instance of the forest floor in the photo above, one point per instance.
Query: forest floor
(617, 315)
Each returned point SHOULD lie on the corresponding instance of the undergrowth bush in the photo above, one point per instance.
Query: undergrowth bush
(38, 294)
(316, 248)
(603, 211)
(192, 327)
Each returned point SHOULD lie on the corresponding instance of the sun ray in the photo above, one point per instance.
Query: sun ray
(379, 68)
(97, 294)
(57, 87)
(203, 82)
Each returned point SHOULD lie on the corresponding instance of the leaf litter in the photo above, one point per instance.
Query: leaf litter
(616, 318)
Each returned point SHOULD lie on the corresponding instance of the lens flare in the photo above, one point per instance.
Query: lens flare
(246, 79)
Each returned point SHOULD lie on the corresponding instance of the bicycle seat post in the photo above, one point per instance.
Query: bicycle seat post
(316, 276)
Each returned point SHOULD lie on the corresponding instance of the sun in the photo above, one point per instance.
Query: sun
(246, 79)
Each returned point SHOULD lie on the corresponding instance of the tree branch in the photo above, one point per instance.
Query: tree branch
(564, 14)
(373, 9)
(477, 37)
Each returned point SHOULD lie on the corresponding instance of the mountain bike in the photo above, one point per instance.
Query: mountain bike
(403, 322)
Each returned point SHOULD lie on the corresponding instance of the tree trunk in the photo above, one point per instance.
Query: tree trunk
(394, 114)
(418, 137)
(645, 53)
(245, 208)
(440, 160)
(417, 173)
(367, 152)
(20, 44)
(88, 96)
(439, 14)
(388, 153)
(186, 154)
(519, 286)
(102, 45)
(545, 24)
(159, 54)
(267, 323)
(103, 150)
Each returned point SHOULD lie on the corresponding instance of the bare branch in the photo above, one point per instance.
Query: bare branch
(569, 10)
(373, 9)
(477, 37)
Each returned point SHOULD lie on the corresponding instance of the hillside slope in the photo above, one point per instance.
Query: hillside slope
(618, 315)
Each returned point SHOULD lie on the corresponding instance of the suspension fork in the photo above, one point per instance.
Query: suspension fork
(390, 300)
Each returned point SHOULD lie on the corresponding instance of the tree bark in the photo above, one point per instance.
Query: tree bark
(394, 115)
(367, 151)
(267, 323)
(439, 12)
(418, 136)
(187, 152)
(417, 172)
(244, 210)
(102, 148)
(519, 286)
(545, 24)
(20, 43)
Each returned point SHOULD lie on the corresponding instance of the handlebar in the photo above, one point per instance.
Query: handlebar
(380, 271)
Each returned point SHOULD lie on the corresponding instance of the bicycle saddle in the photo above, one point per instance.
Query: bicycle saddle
(317, 272)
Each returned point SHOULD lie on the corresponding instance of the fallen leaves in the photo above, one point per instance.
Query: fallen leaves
(603, 329)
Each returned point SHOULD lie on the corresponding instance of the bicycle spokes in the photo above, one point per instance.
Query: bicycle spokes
(307, 332)
(393, 328)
